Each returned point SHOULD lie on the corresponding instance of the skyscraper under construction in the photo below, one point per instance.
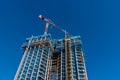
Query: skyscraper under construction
(49, 59)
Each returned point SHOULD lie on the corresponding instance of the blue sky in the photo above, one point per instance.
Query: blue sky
(96, 21)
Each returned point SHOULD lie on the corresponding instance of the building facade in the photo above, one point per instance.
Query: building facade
(48, 59)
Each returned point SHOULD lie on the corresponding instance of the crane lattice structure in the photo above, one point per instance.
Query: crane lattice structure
(49, 22)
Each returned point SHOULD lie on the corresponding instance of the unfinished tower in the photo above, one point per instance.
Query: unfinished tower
(48, 59)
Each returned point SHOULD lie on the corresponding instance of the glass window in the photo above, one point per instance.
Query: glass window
(80, 64)
(63, 69)
(24, 61)
(73, 58)
(37, 62)
(32, 49)
(27, 78)
(81, 72)
(35, 51)
(26, 68)
(63, 60)
(73, 53)
(22, 67)
(81, 76)
(32, 64)
(36, 66)
(29, 75)
(35, 74)
(42, 71)
(20, 72)
(43, 67)
(18, 77)
(63, 74)
(80, 68)
(63, 78)
(30, 71)
(35, 54)
(27, 64)
(74, 73)
(24, 72)
(22, 79)
(44, 59)
(28, 61)
(33, 78)
(73, 64)
(38, 59)
(34, 57)
(23, 76)
(39, 78)
(35, 70)
(31, 67)
(39, 56)
(75, 77)
(78, 58)
(74, 69)
(73, 61)
(33, 60)
(30, 55)
(29, 58)
(44, 56)
(40, 50)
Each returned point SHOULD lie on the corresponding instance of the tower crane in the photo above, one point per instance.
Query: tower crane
(49, 22)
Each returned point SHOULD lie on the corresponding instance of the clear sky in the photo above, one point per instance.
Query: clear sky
(96, 21)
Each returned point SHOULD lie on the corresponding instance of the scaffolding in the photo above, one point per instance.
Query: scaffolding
(68, 59)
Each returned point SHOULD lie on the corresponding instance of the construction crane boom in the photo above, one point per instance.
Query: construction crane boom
(49, 22)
